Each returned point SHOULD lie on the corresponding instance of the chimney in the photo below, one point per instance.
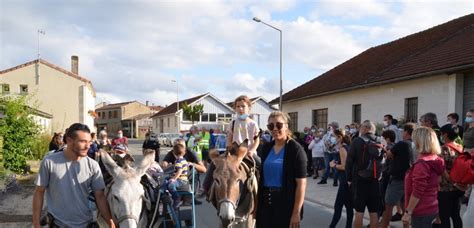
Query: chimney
(147, 103)
(75, 64)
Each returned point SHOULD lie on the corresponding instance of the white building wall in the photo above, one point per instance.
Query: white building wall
(261, 111)
(432, 92)
(87, 104)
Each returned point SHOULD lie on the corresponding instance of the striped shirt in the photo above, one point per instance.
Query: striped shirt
(182, 164)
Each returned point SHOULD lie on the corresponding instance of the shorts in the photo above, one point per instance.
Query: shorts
(318, 163)
(395, 192)
(367, 194)
(205, 155)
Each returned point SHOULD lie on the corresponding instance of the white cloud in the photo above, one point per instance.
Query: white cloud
(354, 9)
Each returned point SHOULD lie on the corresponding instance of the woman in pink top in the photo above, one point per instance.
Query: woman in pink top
(422, 180)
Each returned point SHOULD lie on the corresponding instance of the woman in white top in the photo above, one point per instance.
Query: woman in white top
(317, 148)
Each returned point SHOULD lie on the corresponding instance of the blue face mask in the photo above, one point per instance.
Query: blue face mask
(333, 140)
(243, 116)
(469, 119)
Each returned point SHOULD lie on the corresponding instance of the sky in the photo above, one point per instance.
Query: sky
(133, 50)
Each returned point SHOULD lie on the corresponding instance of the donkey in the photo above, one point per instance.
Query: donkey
(125, 194)
(234, 190)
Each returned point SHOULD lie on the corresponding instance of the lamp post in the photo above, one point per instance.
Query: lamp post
(177, 104)
(256, 19)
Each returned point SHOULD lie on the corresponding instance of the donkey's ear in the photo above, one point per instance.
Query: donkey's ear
(245, 143)
(146, 162)
(242, 150)
(213, 154)
(110, 164)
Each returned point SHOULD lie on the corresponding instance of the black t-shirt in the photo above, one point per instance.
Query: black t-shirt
(401, 160)
(189, 156)
(151, 144)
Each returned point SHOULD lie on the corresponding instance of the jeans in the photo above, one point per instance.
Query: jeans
(328, 157)
(449, 208)
(422, 221)
(343, 198)
(173, 186)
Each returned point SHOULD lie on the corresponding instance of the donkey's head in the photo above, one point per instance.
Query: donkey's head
(229, 178)
(126, 194)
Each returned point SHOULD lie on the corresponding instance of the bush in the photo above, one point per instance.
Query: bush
(40, 146)
(18, 130)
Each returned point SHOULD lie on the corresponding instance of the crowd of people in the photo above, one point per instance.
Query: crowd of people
(405, 167)
(402, 167)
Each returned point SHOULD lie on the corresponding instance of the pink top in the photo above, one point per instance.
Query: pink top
(422, 181)
(246, 129)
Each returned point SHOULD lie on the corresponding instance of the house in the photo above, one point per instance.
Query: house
(130, 117)
(64, 95)
(260, 110)
(216, 114)
(429, 71)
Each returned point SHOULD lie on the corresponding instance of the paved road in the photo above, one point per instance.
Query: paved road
(315, 215)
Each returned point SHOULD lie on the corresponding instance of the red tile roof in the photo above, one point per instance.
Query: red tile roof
(172, 108)
(116, 105)
(441, 49)
(69, 73)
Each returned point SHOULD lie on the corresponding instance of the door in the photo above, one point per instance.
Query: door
(468, 100)
(161, 125)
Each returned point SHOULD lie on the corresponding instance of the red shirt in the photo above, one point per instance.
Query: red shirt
(122, 140)
(422, 181)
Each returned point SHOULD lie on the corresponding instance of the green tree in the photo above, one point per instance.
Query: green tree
(193, 112)
(18, 130)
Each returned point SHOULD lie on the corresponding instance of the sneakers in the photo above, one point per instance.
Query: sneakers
(197, 202)
(396, 217)
(322, 182)
(334, 184)
(315, 177)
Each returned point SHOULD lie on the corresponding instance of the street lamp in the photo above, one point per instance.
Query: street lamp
(256, 19)
(177, 103)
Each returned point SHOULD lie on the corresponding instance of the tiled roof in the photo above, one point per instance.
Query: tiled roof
(140, 116)
(441, 49)
(69, 73)
(116, 105)
(172, 108)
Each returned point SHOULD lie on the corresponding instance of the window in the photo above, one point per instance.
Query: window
(186, 117)
(176, 121)
(98, 113)
(411, 109)
(110, 114)
(320, 117)
(5, 89)
(168, 121)
(103, 115)
(220, 116)
(212, 117)
(356, 113)
(205, 117)
(23, 89)
(115, 114)
(228, 115)
(293, 124)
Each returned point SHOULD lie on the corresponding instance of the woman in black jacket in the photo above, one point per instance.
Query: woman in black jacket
(283, 177)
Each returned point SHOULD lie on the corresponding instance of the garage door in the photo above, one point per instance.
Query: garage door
(468, 92)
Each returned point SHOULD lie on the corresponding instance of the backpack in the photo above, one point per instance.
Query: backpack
(370, 163)
(462, 171)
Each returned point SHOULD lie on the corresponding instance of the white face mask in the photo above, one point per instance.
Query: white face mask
(120, 135)
(122, 155)
(385, 123)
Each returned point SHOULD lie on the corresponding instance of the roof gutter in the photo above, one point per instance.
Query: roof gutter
(415, 76)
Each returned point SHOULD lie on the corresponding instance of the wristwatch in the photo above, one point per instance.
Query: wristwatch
(408, 212)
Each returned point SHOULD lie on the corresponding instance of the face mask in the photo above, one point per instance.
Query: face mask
(313, 130)
(122, 155)
(385, 123)
(333, 140)
(469, 120)
(352, 131)
(120, 135)
(347, 129)
(243, 116)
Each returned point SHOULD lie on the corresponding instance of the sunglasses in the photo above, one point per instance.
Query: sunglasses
(272, 126)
